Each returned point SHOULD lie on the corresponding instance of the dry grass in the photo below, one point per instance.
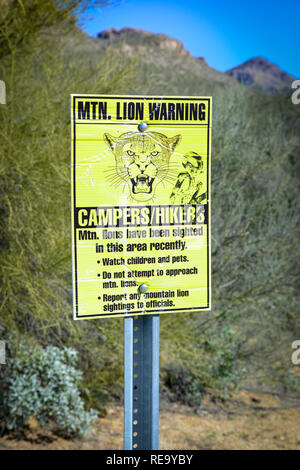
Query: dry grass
(247, 421)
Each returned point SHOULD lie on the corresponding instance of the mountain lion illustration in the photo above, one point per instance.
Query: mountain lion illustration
(142, 160)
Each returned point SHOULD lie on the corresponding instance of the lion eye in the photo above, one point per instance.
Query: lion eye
(130, 153)
(153, 154)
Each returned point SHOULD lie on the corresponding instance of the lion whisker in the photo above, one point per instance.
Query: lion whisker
(171, 172)
(164, 173)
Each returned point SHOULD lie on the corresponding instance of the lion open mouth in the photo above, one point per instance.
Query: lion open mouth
(142, 184)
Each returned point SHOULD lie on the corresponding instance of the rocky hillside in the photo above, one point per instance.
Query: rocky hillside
(261, 74)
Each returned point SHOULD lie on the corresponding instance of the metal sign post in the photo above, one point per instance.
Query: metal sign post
(141, 382)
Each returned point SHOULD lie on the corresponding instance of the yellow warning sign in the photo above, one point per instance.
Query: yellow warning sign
(140, 205)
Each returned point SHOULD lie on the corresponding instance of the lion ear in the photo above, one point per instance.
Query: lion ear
(174, 141)
(110, 140)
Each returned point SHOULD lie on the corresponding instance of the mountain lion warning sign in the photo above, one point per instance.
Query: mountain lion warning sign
(140, 204)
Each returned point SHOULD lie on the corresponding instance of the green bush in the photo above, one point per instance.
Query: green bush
(43, 383)
(35, 251)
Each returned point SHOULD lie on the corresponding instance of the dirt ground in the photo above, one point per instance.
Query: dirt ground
(246, 421)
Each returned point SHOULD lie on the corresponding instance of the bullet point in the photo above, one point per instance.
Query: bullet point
(99, 275)
(98, 261)
(99, 298)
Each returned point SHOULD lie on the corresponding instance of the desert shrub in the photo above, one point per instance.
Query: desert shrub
(43, 383)
(217, 369)
(35, 247)
(255, 257)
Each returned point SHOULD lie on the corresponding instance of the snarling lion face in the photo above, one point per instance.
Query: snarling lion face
(142, 160)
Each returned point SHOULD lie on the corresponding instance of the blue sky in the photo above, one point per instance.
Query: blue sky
(226, 32)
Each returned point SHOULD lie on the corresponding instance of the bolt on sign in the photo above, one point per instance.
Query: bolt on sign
(140, 205)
